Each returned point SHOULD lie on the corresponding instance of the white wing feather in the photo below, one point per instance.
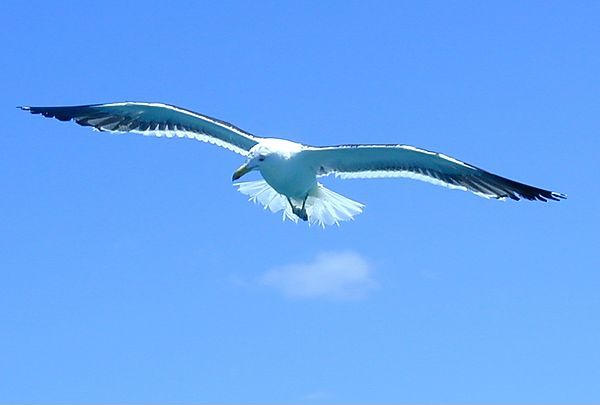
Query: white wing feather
(376, 161)
(154, 119)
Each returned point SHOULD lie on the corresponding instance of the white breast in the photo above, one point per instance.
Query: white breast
(288, 174)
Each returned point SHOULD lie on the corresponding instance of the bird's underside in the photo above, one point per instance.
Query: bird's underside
(290, 169)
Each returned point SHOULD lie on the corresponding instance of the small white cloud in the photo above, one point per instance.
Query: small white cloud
(317, 396)
(333, 275)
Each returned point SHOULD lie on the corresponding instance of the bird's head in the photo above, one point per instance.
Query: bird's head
(256, 158)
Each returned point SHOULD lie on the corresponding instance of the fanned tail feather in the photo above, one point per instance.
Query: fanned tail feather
(326, 207)
(323, 206)
(260, 192)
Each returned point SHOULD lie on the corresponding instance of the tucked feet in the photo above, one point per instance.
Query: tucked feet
(299, 212)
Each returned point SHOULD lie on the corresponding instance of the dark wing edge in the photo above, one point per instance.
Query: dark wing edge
(152, 119)
(512, 189)
(428, 166)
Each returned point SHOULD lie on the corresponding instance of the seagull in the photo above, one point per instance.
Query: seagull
(289, 169)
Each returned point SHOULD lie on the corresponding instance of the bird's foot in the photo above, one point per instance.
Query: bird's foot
(300, 213)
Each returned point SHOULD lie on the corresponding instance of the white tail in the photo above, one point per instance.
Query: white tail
(323, 206)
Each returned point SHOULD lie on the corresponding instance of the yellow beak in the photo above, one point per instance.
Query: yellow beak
(243, 169)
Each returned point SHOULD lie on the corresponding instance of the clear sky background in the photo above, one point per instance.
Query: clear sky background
(132, 271)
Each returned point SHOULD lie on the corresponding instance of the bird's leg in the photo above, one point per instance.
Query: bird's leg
(302, 211)
(299, 212)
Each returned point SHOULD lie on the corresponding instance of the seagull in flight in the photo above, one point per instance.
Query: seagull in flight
(289, 169)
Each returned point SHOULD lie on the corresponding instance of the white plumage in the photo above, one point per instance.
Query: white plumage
(289, 169)
(323, 206)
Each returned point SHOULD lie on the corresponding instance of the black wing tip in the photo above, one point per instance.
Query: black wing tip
(545, 196)
(515, 190)
(32, 110)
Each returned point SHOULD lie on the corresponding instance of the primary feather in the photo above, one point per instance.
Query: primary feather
(373, 161)
(153, 119)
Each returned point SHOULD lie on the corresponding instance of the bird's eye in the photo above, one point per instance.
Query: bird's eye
(262, 158)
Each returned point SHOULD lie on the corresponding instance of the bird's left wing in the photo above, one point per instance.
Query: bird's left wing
(153, 119)
(372, 161)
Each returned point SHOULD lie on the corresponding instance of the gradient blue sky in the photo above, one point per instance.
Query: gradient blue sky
(132, 271)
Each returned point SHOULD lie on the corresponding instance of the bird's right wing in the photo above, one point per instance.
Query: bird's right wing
(372, 161)
(153, 119)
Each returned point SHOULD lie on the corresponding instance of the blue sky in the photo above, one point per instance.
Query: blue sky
(132, 271)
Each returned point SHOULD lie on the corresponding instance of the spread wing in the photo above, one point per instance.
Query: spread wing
(372, 161)
(153, 119)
